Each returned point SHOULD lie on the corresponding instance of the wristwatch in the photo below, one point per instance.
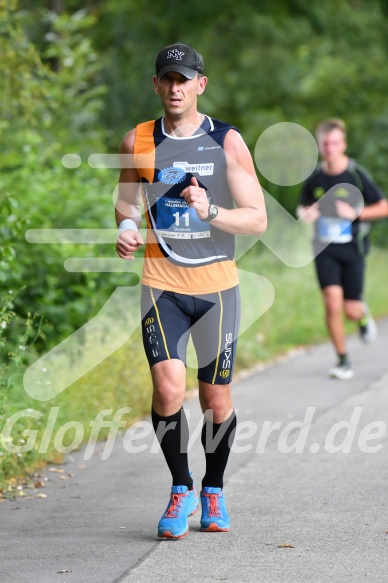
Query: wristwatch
(213, 212)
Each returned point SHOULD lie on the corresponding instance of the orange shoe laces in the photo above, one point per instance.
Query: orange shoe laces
(214, 509)
(173, 510)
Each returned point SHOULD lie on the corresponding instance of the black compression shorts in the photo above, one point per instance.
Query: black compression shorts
(213, 320)
(341, 266)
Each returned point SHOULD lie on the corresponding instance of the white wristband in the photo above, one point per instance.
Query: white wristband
(127, 224)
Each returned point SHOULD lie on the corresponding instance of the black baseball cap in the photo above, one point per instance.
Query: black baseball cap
(180, 58)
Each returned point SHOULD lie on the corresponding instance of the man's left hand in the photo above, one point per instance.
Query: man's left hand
(196, 198)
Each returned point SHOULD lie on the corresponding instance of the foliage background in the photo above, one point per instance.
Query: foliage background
(77, 75)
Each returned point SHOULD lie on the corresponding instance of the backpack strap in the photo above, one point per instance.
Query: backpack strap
(353, 169)
(364, 227)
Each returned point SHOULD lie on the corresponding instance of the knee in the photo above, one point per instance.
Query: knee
(217, 408)
(354, 310)
(333, 306)
(168, 379)
(333, 300)
(166, 395)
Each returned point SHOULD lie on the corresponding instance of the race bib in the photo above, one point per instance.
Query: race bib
(176, 220)
(333, 230)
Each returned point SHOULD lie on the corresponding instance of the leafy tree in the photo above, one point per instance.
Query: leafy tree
(47, 114)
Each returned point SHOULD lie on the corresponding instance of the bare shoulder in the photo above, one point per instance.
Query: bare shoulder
(128, 142)
(238, 151)
(234, 143)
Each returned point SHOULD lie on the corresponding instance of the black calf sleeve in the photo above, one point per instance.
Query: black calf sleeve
(217, 439)
(173, 435)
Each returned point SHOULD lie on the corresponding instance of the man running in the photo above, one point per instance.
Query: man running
(199, 188)
(340, 265)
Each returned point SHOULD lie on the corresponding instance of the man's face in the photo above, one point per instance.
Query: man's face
(332, 144)
(179, 94)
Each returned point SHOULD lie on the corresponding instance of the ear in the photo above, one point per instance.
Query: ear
(201, 85)
(156, 87)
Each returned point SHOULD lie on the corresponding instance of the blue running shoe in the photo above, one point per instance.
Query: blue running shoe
(215, 517)
(183, 503)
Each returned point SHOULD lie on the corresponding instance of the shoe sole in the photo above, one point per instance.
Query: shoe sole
(213, 527)
(167, 534)
(346, 378)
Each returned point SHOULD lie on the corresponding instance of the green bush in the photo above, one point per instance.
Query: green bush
(56, 113)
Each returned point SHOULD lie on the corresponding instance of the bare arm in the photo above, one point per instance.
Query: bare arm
(128, 201)
(378, 210)
(249, 218)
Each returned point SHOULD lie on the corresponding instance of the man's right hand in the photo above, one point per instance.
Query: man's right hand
(127, 243)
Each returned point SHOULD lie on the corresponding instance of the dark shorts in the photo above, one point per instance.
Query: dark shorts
(213, 320)
(343, 266)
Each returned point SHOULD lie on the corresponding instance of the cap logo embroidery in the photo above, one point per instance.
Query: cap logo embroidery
(175, 54)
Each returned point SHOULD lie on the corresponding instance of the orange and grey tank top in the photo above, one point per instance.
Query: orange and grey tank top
(183, 253)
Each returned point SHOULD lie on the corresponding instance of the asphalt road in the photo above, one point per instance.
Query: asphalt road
(307, 493)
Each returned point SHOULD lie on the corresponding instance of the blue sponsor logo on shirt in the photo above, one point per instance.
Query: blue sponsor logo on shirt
(171, 175)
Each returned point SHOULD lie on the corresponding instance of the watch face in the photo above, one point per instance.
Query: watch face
(213, 211)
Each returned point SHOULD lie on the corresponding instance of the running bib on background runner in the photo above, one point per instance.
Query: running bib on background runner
(176, 220)
(333, 230)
